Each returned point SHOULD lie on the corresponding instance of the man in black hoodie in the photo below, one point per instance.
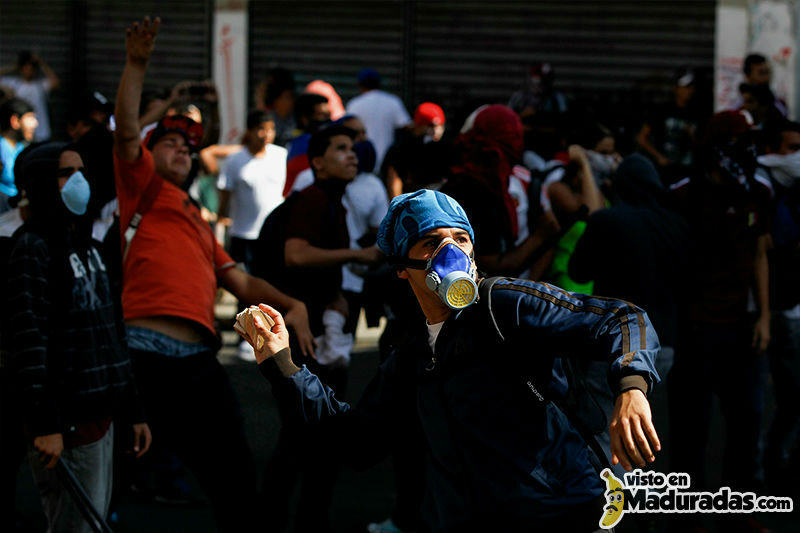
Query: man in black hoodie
(65, 341)
(640, 228)
(637, 226)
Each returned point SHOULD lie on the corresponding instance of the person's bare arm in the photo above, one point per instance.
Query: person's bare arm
(52, 77)
(300, 253)
(590, 194)
(139, 41)
(643, 140)
(251, 290)
(761, 331)
(518, 259)
(562, 198)
(211, 155)
(157, 111)
(224, 203)
(394, 184)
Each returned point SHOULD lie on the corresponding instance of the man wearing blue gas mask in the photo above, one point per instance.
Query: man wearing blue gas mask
(501, 456)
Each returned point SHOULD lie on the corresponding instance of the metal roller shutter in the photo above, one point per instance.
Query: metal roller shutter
(328, 40)
(183, 47)
(482, 50)
(43, 27)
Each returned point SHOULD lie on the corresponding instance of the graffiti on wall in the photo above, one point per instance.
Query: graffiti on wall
(230, 74)
(766, 27)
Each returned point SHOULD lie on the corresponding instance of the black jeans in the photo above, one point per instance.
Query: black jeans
(192, 410)
(716, 359)
(12, 448)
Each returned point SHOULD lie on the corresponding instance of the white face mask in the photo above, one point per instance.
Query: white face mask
(785, 168)
(603, 165)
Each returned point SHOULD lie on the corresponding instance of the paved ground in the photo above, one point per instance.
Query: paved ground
(360, 497)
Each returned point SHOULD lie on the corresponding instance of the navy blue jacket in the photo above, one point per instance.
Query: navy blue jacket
(495, 453)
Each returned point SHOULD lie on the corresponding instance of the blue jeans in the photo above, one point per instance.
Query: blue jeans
(92, 464)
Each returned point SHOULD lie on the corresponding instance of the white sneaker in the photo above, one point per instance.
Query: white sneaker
(387, 526)
(246, 352)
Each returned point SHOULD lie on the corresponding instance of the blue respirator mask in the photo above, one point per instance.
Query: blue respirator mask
(75, 193)
(451, 275)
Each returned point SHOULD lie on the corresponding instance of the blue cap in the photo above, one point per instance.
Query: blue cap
(368, 76)
(414, 214)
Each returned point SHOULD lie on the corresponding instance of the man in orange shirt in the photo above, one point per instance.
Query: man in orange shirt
(172, 265)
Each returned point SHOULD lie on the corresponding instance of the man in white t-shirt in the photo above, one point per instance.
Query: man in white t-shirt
(34, 90)
(366, 202)
(251, 184)
(381, 112)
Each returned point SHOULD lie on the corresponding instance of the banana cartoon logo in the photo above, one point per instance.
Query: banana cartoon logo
(615, 496)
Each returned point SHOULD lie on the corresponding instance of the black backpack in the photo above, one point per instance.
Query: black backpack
(269, 260)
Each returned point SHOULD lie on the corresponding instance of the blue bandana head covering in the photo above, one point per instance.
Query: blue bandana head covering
(414, 214)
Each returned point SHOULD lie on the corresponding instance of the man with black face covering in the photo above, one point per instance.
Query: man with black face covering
(718, 342)
(64, 339)
(639, 226)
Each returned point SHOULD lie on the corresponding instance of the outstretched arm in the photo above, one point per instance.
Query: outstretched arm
(252, 290)
(578, 325)
(301, 253)
(139, 41)
(359, 436)
(761, 332)
(52, 78)
(643, 140)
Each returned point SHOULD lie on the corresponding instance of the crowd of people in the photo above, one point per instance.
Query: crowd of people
(116, 239)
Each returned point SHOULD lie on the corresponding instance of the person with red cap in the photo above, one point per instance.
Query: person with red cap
(719, 342)
(417, 158)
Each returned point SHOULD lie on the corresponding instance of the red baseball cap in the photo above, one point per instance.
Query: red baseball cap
(191, 131)
(429, 113)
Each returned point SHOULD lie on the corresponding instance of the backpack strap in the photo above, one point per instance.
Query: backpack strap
(597, 458)
(485, 294)
(146, 201)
